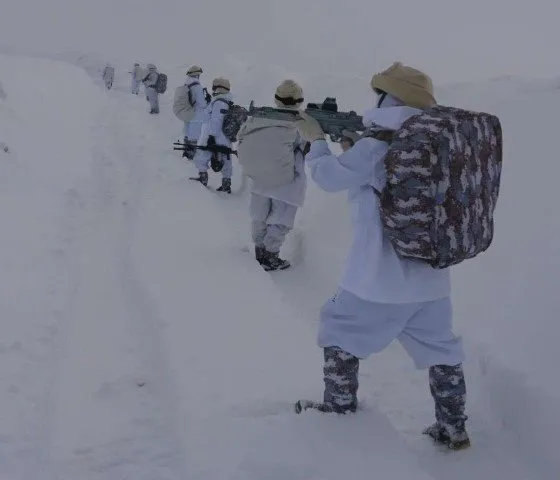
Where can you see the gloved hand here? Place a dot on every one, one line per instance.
(309, 128)
(211, 141)
(348, 139)
(354, 136)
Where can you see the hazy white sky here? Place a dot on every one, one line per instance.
(452, 40)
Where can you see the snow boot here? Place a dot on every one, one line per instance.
(202, 178)
(302, 405)
(439, 435)
(271, 261)
(259, 253)
(340, 373)
(226, 185)
(448, 389)
(154, 111)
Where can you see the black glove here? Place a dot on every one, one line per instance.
(211, 141)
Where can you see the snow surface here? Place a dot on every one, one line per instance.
(139, 339)
(131, 349)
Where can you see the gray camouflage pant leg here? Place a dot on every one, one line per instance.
(202, 160)
(341, 380)
(227, 169)
(259, 209)
(272, 220)
(449, 391)
(153, 98)
(275, 236)
(271, 237)
(135, 87)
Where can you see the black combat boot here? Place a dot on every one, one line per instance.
(271, 261)
(226, 185)
(259, 253)
(203, 178)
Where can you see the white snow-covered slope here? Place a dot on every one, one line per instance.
(138, 341)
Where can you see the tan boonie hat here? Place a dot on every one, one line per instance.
(194, 70)
(413, 87)
(221, 83)
(288, 94)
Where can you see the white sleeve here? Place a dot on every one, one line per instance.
(353, 168)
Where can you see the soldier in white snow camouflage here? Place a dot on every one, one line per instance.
(385, 296)
(273, 206)
(150, 81)
(135, 79)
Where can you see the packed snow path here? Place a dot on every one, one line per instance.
(140, 342)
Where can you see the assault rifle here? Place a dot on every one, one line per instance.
(214, 148)
(331, 120)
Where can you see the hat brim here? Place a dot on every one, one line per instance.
(409, 94)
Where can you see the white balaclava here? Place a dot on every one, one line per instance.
(385, 100)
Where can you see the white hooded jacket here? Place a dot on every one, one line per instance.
(374, 271)
(213, 127)
(197, 93)
(138, 73)
(151, 79)
(292, 193)
(192, 129)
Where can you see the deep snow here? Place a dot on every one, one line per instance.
(140, 341)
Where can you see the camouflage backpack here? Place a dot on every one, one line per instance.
(234, 117)
(161, 83)
(443, 178)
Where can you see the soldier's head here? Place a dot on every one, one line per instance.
(151, 67)
(220, 86)
(194, 71)
(400, 84)
(289, 95)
